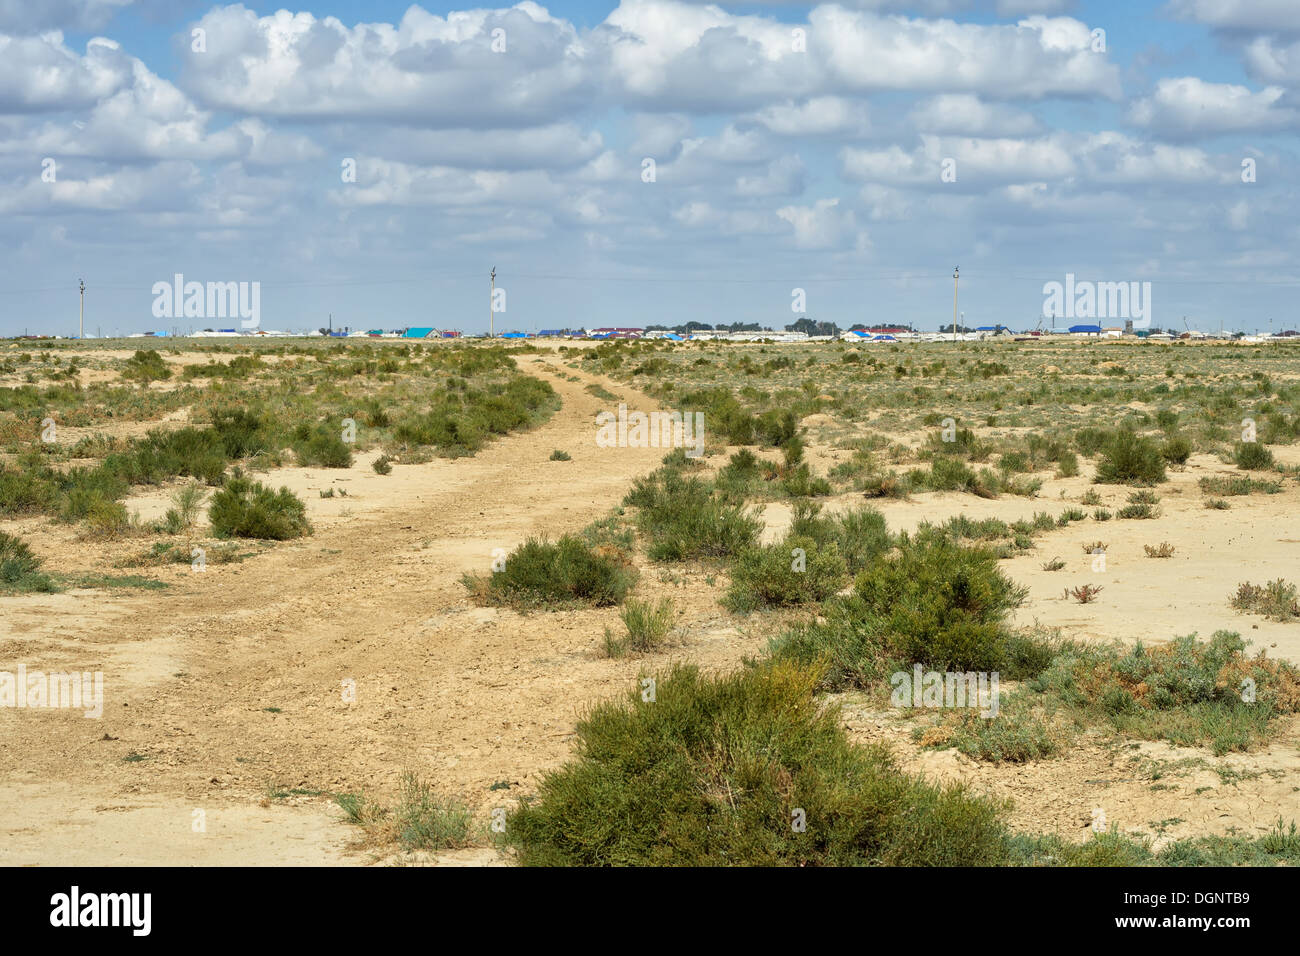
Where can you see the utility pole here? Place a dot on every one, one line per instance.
(81, 321)
(954, 303)
(492, 294)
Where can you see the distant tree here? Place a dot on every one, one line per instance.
(811, 327)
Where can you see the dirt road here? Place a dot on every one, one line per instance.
(231, 685)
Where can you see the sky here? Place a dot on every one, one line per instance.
(367, 164)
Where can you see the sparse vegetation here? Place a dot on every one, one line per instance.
(1276, 600)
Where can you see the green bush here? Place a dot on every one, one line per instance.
(20, 569)
(740, 477)
(145, 366)
(1252, 456)
(1130, 459)
(647, 626)
(717, 771)
(322, 446)
(247, 509)
(539, 573)
(847, 642)
(1188, 692)
(792, 572)
(941, 604)
(1176, 450)
(683, 519)
(1276, 600)
(461, 421)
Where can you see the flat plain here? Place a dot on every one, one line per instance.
(305, 572)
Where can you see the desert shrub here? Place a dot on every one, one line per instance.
(943, 604)
(1176, 450)
(184, 512)
(30, 489)
(145, 366)
(724, 413)
(1275, 600)
(862, 536)
(789, 573)
(425, 821)
(565, 573)
(652, 784)
(1068, 465)
(1252, 456)
(963, 442)
(934, 602)
(847, 642)
(740, 477)
(421, 820)
(777, 427)
(383, 465)
(800, 482)
(949, 474)
(886, 485)
(559, 455)
(242, 433)
(322, 446)
(460, 422)
(1229, 486)
(1091, 440)
(20, 568)
(1131, 460)
(1187, 691)
(683, 519)
(248, 509)
(1010, 737)
(237, 369)
(162, 455)
(611, 535)
(646, 626)
(1014, 462)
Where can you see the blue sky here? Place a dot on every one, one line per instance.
(855, 151)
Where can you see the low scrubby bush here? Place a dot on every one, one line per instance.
(1130, 459)
(564, 573)
(682, 518)
(714, 770)
(248, 509)
(789, 573)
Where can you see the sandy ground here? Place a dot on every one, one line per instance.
(231, 683)
(229, 686)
